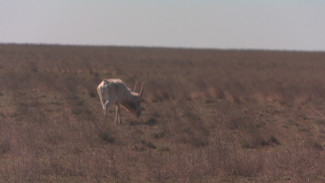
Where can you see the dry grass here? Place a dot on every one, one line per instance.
(211, 115)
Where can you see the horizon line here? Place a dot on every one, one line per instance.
(160, 47)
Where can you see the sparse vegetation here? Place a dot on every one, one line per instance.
(211, 115)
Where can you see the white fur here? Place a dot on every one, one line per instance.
(115, 91)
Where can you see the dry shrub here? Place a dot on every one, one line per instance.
(4, 146)
(197, 94)
(157, 92)
(298, 165)
(254, 131)
(255, 138)
(191, 129)
(106, 136)
(216, 93)
(159, 167)
(246, 164)
(228, 160)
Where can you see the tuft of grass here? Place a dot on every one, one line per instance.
(5, 146)
(106, 137)
(148, 144)
(151, 121)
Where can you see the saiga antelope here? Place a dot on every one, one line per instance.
(114, 91)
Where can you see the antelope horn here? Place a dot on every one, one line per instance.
(135, 86)
(141, 91)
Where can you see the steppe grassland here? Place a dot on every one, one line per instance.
(211, 115)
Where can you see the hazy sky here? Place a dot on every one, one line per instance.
(247, 24)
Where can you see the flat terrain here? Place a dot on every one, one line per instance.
(211, 115)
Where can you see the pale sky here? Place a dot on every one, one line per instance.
(221, 24)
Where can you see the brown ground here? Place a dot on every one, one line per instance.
(211, 115)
